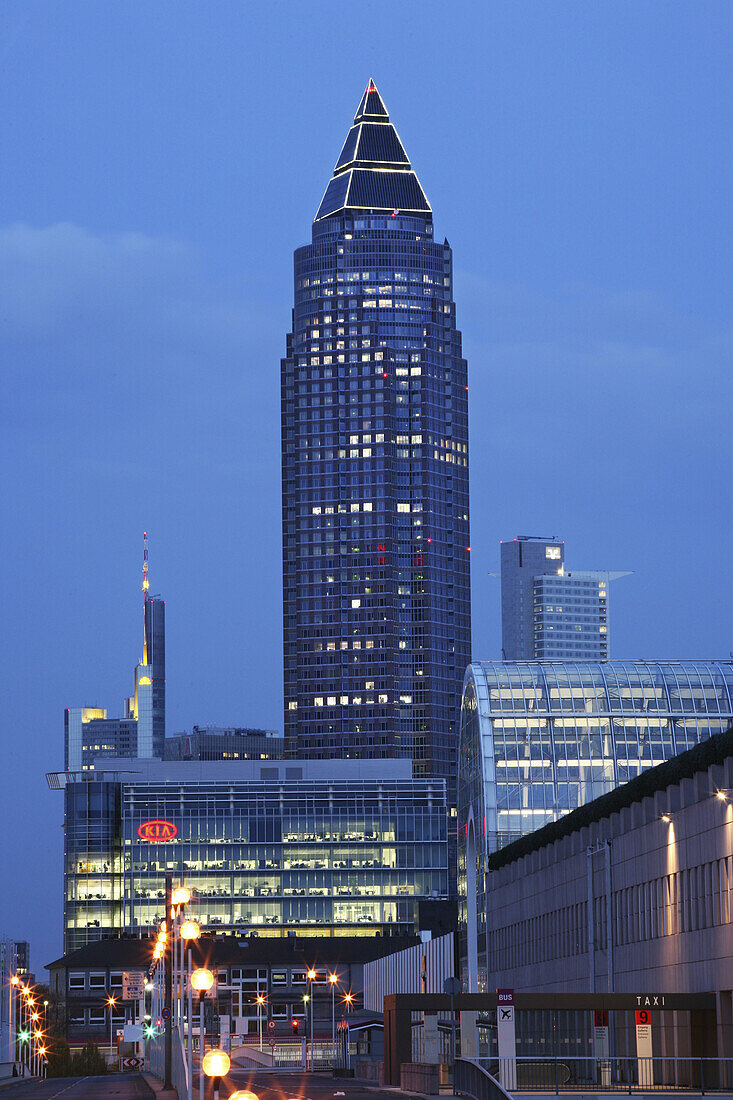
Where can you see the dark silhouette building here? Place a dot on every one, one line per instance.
(375, 470)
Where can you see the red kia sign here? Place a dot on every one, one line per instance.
(157, 830)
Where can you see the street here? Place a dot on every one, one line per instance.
(125, 1086)
(296, 1085)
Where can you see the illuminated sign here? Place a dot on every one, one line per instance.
(157, 830)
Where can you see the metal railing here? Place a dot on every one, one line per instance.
(472, 1079)
(629, 1075)
(179, 1067)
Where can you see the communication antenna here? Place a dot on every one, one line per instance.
(146, 581)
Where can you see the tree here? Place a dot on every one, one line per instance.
(59, 1057)
(88, 1062)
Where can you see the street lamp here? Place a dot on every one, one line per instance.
(202, 981)
(333, 982)
(181, 895)
(306, 998)
(190, 931)
(111, 1001)
(243, 1094)
(216, 1064)
(260, 1003)
(311, 978)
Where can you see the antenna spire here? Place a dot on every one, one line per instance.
(146, 581)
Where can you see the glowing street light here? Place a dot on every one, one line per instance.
(111, 1002)
(216, 1064)
(181, 895)
(190, 931)
(201, 980)
(333, 982)
(243, 1094)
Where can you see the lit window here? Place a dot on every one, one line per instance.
(403, 507)
(318, 701)
(292, 706)
(356, 603)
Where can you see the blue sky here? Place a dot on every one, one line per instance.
(162, 161)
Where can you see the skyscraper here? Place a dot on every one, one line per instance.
(375, 470)
(90, 733)
(548, 612)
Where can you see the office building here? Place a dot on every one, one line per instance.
(375, 470)
(321, 847)
(225, 743)
(14, 961)
(539, 740)
(90, 733)
(632, 892)
(547, 611)
(245, 968)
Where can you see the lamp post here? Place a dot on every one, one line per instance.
(181, 897)
(111, 1002)
(311, 979)
(12, 987)
(348, 1000)
(333, 982)
(202, 981)
(216, 1065)
(190, 931)
(306, 999)
(260, 1003)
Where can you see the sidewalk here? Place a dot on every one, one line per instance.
(156, 1087)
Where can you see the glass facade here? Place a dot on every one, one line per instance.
(93, 862)
(539, 739)
(323, 856)
(375, 471)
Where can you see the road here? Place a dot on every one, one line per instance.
(122, 1086)
(296, 1085)
(293, 1085)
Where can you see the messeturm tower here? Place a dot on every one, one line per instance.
(375, 470)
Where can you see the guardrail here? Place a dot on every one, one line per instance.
(472, 1079)
(179, 1066)
(699, 1075)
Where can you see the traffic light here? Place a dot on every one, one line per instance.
(295, 1026)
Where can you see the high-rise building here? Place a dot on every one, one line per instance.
(375, 470)
(89, 732)
(547, 611)
(225, 743)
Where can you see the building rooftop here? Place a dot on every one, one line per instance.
(235, 951)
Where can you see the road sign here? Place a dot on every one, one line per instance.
(272, 1043)
(133, 985)
(166, 1014)
(271, 1025)
(132, 1063)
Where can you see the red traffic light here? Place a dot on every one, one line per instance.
(295, 1025)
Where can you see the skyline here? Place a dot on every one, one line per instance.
(147, 246)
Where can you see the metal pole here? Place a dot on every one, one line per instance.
(201, 1045)
(110, 1032)
(190, 1029)
(259, 1021)
(312, 1006)
(333, 1023)
(168, 958)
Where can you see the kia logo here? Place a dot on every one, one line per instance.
(157, 830)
